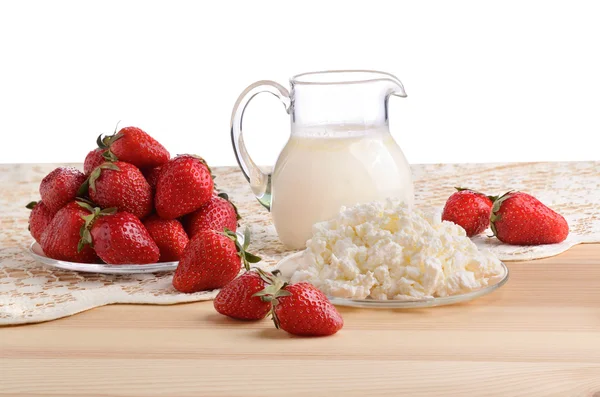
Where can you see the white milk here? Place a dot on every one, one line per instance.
(318, 171)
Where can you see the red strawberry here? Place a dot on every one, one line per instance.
(521, 219)
(151, 175)
(134, 146)
(39, 219)
(118, 237)
(169, 236)
(301, 309)
(60, 240)
(96, 158)
(120, 185)
(211, 260)
(237, 299)
(217, 214)
(469, 209)
(60, 187)
(184, 185)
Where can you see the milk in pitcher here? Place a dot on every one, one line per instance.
(326, 167)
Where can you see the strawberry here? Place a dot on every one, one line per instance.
(134, 146)
(39, 219)
(118, 237)
(211, 260)
(151, 175)
(521, 219)
(120, 185)
(96, 158)
(237, 299)
(217, 214)
(60, 240)
(184, 185)
(60, 187)
(169, 236)
(301, 309)
(469, 209)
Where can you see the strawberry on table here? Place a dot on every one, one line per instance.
(211, 260)
(469, 209)
(169, 236)
(520, 219)
(237, 300)
(60, 187)
(60, 239)
(118, 237)
(185, 184)
(134, 146)
(120, 185)
(217, 214)
(302, 309)
(39, 219)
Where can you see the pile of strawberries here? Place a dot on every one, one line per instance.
(515, 217)
(134, 204)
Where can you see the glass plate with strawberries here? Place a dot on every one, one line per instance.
(38, 254)
(36, 251)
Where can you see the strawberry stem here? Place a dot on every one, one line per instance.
(247, 257)
(494, 215)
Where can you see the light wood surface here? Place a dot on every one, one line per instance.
(539, 335)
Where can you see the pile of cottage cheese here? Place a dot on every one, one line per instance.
(384, 250)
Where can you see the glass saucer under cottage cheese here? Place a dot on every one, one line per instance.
(384, 250)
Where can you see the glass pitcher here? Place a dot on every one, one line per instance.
(340, 151)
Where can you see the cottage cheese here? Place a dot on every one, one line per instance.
(384, 250)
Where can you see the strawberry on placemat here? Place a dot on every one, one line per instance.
(120, 185)
(39, 219)
(169, 236)
(185, 184)
(134, 146)
(60, 187)
(211, 260)
(117, 237)
(217, 214)
(520, 219)
(60, 239)
(151, 175)
(96, 158)
(469, 209)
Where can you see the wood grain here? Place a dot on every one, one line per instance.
(539, 335)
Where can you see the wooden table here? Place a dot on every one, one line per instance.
(539, 335)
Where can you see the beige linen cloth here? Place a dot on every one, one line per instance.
(31, 292)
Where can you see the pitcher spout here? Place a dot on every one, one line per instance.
(396, 87)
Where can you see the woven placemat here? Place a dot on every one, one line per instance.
(30, 292)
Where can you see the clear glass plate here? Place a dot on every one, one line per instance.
(38, 254)
(288, 264)
(36, 251)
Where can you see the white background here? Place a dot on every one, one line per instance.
(486, 81)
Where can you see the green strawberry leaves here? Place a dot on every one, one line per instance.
(90, 183)
(104, 142)
(274, 290)
(495, 216)
(95, 213)
(247, 257)
(31, 205)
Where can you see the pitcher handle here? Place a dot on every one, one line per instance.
(260, 182)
